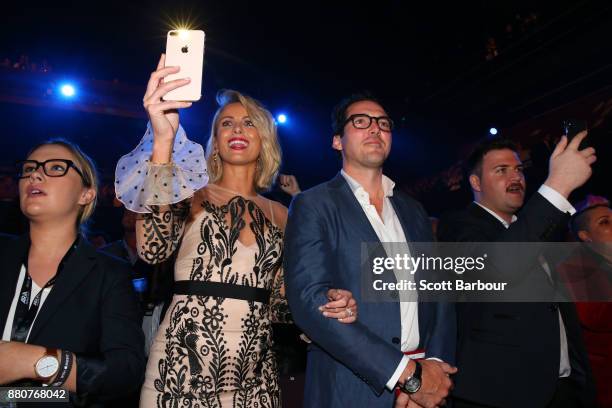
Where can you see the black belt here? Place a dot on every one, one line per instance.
(220, 289)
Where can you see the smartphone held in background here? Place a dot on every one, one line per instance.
(185, 49)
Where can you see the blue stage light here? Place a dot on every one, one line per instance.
(493, 131)
(282, 118)
(68, 90)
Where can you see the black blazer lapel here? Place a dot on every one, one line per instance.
(12, 260)
(491, 224)
(76, 269)
(493, 227)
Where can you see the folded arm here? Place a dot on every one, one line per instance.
(309, 274)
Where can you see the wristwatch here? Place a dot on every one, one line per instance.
(412, 384)
(48, 365)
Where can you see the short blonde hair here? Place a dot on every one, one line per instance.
(270, 155)
(87, 167)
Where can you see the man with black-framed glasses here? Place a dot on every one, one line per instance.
(363, 363)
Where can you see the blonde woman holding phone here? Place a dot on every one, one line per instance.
(213, 348)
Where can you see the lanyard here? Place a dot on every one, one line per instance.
(26, 313)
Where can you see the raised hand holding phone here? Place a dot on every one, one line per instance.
(163, 115)
(569, 167)
(572, 127)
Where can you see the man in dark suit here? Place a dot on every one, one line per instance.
(152, 283)
(360, 364)
(519, 354)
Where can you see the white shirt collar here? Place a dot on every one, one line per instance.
(387, 184)
(514, 217)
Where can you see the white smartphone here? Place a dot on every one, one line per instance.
(185, 48)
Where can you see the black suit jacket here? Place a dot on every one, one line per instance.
(508, 353)
(92, 311)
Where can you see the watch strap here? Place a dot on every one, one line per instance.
(64, 369)
(416, 375)
(417, 371)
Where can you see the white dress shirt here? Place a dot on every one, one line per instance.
(563, 205)
(389, 229)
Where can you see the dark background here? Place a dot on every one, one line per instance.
(427, 60)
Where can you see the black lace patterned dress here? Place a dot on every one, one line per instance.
(216, 351)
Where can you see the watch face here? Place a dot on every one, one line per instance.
(47, 366)
(412, 385)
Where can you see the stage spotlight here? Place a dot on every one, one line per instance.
(68, 90)
(493, 131)
(281, 119)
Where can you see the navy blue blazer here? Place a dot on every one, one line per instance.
(350, 364)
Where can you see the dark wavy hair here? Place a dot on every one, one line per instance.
(473, 164)
(338, 115)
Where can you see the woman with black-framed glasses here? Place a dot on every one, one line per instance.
(51, 168)
(68, 314)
